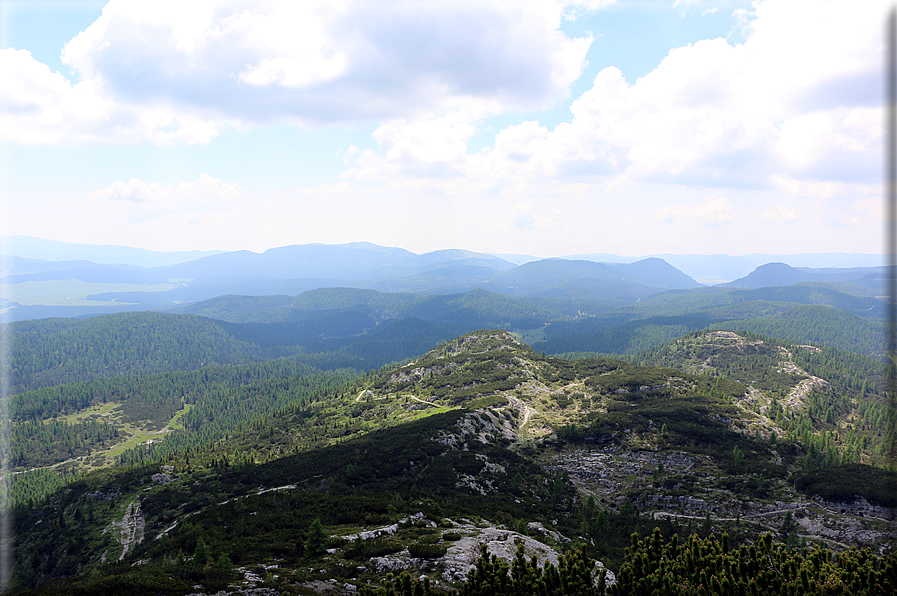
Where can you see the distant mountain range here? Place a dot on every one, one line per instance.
(780, 274)
(718, 269)
(105, 279)
(55, 250)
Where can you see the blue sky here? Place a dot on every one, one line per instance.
(543, 128)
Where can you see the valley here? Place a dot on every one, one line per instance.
(319, 442)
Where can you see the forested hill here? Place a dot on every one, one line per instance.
(810, 312)
(804, 313)
(481, 440)
(365, 329)
(54, 351)
(475, 307)
(330, 329)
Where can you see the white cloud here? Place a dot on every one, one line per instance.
(799, 100)
(734, 127)
(590, 4)
(521, 142)
(170, 70)
(825, 189)
(779, 213)
(801, 96)
(714, 211)
(139, 200)
(573, 7)
(38, 106)
(792, 114)
(428, 143)
(870, 208)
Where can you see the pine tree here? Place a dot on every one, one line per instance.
(201, 554)
(316, 542)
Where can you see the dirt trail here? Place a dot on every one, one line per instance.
(527, 411)
(429, 403)
(797, 395)
(362, 394)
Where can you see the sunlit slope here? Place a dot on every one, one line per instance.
(831, 401)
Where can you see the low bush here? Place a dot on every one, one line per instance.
(365, 549)
(427, 551)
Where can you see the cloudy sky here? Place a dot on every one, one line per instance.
(541, 127)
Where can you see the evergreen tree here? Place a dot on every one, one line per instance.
(201, 554)
(316, 542)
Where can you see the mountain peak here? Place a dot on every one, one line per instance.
(771, 274)
(478, 342)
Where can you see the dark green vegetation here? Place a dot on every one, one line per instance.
(57, 351)
(260, 459)
(832, 402)
(710, 567)
(804, 313)
(319, 310)
(223, 507)
(842, 483)
(209, 405)
(327, 328)
(697, 567)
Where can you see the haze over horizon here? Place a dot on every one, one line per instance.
(59, 250)
(550, 128)
(704, 269)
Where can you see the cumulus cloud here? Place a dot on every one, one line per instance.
(429, 143)
(174, 71)
(794, 111)
(797, 104)
(171, 70)
(38, 106)
(779, 213)
(801, 96)
(139, 200)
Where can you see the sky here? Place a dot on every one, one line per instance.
(545, 128)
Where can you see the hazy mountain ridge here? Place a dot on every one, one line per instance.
(710, 269)
(717, 269)
(37, 288)
(292, 270)
(781, 274)
(55, 250)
